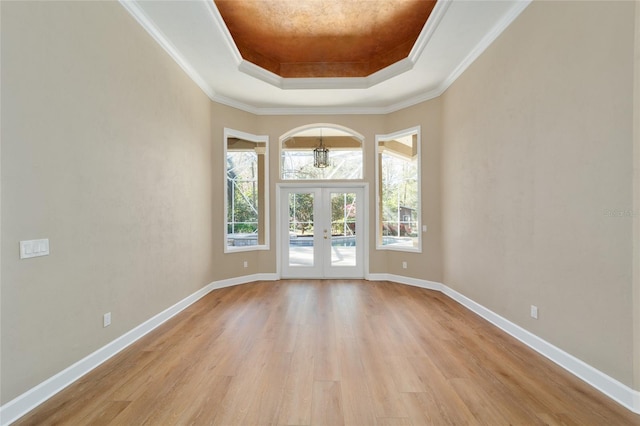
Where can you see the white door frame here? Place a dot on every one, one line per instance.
(281, 187)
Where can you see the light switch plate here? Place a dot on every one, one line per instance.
(34, 248)
(106, 319)
(534, 312)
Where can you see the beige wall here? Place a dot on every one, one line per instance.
(636, 202)
(124, 162)
(427, 115)
(264, 261)
(1, 209)
(228, 265)
(109, 150)
(428, 264)
(537, 150)
(106, 151)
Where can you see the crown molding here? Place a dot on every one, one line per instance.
(260, 73)
(322, 111)
(429, 29)
(222, 27)
(327, 83)
(234, 103)
(329, 110)
(482, 45)
(141, 17)
(486, 41)
(378, 77)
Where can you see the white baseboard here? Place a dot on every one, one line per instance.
(609, 386)
(619, 392)
(21, 405)
(243, 280)
(430, 285)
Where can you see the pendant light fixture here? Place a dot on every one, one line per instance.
(321, 155)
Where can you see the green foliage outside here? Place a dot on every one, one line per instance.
(301, 213)
(400, 198)
(242, 192)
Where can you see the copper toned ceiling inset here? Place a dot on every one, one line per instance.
(324, 38)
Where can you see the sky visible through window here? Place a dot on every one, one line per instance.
(343, 165)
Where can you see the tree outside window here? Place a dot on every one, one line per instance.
(398, 186)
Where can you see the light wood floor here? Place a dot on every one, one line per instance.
(329, 353)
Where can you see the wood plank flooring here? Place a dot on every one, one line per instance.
(311, 352)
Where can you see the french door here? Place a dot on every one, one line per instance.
(322, 232)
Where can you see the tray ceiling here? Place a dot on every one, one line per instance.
(324, 38)
(194, 33)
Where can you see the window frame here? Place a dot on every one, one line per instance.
(232, 133)
(308, 127)
(378, 177)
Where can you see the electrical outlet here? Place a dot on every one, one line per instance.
(246, 264)
(404, 265)
(106, 319)
(534, 312)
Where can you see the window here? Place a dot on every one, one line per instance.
(398, 190)
(345, 153)
(246, 191)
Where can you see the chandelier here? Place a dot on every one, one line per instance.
(321, 155)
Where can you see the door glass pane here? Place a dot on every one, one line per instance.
(301, 250)
(343, 229)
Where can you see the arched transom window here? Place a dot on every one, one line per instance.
(321, 151)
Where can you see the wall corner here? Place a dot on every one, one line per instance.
(636, 202)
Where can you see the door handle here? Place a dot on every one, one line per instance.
(325, 234)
